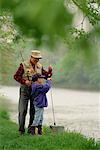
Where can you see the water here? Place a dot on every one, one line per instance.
(75, 110)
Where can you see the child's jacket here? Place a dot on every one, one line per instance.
(39, 93)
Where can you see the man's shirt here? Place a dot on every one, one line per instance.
(18, 76)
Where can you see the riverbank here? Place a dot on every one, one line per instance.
(11, 140)
(76, 110)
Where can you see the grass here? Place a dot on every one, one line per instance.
(11, 140)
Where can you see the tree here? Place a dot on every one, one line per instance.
(49, 20)
(7, 35)
(50, 23)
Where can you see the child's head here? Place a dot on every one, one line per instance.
(38, 78)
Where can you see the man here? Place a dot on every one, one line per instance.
(24, 77)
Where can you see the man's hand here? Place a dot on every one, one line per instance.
(28, 83)
(50, 68)
(49, 78)
(49, 71)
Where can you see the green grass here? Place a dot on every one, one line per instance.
(11, 140)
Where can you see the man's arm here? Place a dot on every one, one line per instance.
(18, 76)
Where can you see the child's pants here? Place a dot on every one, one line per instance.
(38, 118)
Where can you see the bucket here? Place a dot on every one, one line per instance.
(57, 129)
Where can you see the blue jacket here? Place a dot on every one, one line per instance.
(39, 93)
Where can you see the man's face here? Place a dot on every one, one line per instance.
(34, 60)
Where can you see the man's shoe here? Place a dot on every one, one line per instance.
(31, 130)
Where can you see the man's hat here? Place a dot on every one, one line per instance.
(36, 76)
(36, 54)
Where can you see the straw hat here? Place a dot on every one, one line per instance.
(36, 54)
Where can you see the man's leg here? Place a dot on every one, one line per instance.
(23, 105)
(32, 113)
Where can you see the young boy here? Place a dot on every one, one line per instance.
(39, 90)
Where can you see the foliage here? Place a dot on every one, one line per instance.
(47, 25)
(76, 71)
(90, 8)
(7, 35)
(48, 20)
(42, 19)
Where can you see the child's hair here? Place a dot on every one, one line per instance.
(36, 76)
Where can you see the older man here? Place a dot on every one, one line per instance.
(24, 76)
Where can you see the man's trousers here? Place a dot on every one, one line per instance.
(25, 97)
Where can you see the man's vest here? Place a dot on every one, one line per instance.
(29, 70)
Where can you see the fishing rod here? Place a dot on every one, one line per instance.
(21, 55)
(53, 112)
(52, 104)
(23, 61)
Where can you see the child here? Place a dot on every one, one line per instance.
(39, 91)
